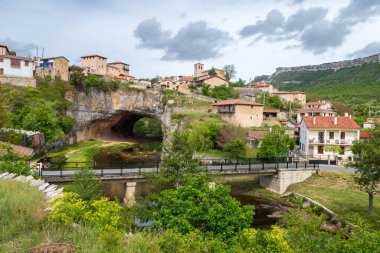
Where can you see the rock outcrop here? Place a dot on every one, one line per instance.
(332, 65)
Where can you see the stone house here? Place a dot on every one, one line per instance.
(16, 70)
(317, 133)
(177, 83)
(202, 76)
(56, 67)
(315, 111)
(240, 112)
(118, 69)
(264, 87)
(291, 96)
(94, 64)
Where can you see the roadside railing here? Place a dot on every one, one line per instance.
(123, 168)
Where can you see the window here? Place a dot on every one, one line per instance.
(1, 59)
(331, 135)
(1, 72)
(26, 63)
(320, 149)
(342, 135)
(15, 63)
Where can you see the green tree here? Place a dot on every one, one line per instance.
(223, 92)
(367, 164)
(196, 206)
(276, 144)
(177, 159)
(236, 149)
(212, 72)
(206, 89)
(86, 185)
(238, 83)
(229, 72)
(229, 133)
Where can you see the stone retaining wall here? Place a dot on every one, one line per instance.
(18, 81)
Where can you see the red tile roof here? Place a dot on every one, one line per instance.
(16, 57)
(236, 102)
(168, 79)
(118, 62)
(315, 109)
(318, 103)
(255, 134)
(53, 58)
(328, 122)
(186, 78)
(288, 92)
(94, 55)
(364, 135)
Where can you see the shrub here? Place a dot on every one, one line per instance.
(67, 209)
(103, 214)
(236, 149)
(86, 185)
(229, 133)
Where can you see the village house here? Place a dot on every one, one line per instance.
(119, 70)
(240, 112)
(264, 87)
(319, 104)
(94, 64)
(176, 83)
(202, 76)
(370, 123)
(16, 70)
(318, 133)
(291, 96)
(315, 111)
(254, 136)
(55, 67)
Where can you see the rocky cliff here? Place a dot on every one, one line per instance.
(331, 66)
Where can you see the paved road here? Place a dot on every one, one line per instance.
(334, 167)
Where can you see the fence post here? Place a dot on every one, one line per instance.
(158, 165)
(61, 173)
(121, 168)
(287, 164)
(305, 164)
(101, 171)
(263, 165)
(221, 166)
(296, 164)
(249, 164)
(236, 164)
(314, 164)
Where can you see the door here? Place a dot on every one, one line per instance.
(1, 72)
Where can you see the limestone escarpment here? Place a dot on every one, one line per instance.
(331, 65)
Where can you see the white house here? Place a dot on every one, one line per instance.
(16, 66)
(315, 111)
(370, 123)
(319, 104)
(317, 133)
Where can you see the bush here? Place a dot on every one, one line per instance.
(236, 149)
(68, 209)
(86, 185)
(12, 162)
(229, 133)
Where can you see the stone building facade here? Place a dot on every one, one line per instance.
(56, 67)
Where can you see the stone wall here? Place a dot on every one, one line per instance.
(18, 81)
(331, 65)
(285, 177)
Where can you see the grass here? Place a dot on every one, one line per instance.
(338, 192)
(83, 151)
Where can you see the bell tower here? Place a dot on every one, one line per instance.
(198, 69)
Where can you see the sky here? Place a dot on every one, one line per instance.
(167, 37)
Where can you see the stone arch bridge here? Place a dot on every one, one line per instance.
(102, 114)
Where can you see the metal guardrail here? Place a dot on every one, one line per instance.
(206, 165)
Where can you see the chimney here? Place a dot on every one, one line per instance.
(349, 116)
(346, 114)
(335, 120)
(313, 120)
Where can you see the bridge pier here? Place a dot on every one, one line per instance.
(129, 197)
(284, 178)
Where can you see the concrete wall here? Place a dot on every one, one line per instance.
(18, 81)
(279, 183)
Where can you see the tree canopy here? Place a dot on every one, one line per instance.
(229, 71)
(275, 145)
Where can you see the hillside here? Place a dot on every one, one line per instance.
(351, 86)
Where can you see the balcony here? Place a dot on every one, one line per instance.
(332, 142)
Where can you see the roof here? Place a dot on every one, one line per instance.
(94, 55)
(16, 57)
(283, 120)
(364, 135)
(110, 66)
(209, 77)
(52, 58)
(315, 109)
(186, 78)
(261, 85)
(4, 46)
(256, 134)
(328, 122)
(318, 103)
(118, 62)
(236, 102)
(168, 79)
(271, 110)
(288, 92)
